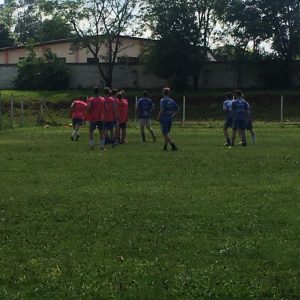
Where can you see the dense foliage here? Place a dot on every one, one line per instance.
(41, 73)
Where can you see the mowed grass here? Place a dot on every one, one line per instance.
(206, 222)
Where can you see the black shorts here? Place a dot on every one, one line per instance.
(123, 125)
(239, 124)
(77, 121)
(228, 123)
(97, 124)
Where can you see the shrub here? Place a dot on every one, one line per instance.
(41, 73)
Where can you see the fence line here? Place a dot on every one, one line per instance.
(11, 123)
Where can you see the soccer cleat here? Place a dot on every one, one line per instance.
(174, 148)
(72, 138)
(102, 148)
(77, 138)
(226, 144)
(165, 148)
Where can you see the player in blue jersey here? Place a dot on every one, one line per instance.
(145, 108)
(240, 113)
(168, 109)
(228, 112)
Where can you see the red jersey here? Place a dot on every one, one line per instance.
(110, 109)
(123, 110)
(78, 109)
(96, 111)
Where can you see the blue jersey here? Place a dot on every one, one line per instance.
(168, 107)
(240, 109)
(227, 107)
(145, 108)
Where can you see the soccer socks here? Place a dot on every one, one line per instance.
(253, 137)
(143, 137)
(174, 148)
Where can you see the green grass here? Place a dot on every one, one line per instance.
(206, 222)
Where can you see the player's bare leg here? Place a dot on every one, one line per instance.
(233, 137)
(243, 137)
(226, 135)
(91, 140)
(142, 128)
(168, 140)
(152, 133)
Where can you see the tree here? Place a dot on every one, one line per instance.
(183, 30)
(98, 26)
(54, 29)
(282, 20)
(27, 21)
(5, 39)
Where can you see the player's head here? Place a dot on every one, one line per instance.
(96, 91)
(166, 92)
(120, 96)
(145, 94)
(123, 93)
(106, 91)
(239, 93)
(114, 92)
(229, 96)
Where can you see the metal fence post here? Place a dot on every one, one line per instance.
(11, 113)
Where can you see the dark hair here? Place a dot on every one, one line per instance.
(122, 92)
(145, 93)
(166, 91)
(229, 96)
(239, 93)
(119, 95)
(96, 90)
(114, 92)
(106, 91)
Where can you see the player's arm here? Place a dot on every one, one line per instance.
(160, 111)
(89, 106)
(71, 109)
(115, 106)
(175, 111)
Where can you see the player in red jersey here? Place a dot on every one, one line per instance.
(110, 114)
(78, 110)
(123, 116)
(95, 111)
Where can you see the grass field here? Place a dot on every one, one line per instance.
(206, 222)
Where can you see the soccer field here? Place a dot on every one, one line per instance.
(206, 222)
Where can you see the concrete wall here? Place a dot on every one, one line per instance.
(214, 75)
(7, 75)
(126, 76)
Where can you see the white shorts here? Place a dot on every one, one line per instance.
(145, 122)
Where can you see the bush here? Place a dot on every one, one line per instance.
(41, 73)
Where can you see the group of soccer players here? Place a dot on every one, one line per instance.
(109, 115)
(238, 117)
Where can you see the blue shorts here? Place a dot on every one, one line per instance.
(123, 125)
(239, 124)
(249, 125)
(109, 125)
(228, 123)
(97, 124)
(165, 126)
(77, 121)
